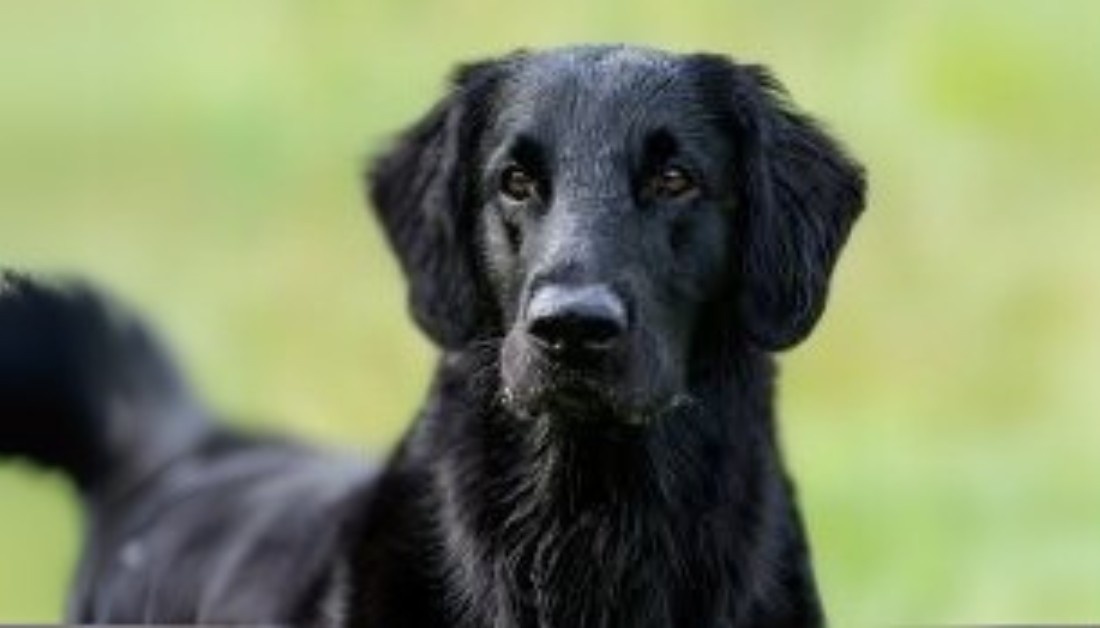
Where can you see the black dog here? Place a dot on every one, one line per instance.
(607, 244)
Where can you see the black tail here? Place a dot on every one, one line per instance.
(84, 387)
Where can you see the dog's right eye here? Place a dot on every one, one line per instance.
(672, 182)
(517, 185)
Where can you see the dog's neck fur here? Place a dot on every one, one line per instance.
(560, 522)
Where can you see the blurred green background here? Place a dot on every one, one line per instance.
(201, 158)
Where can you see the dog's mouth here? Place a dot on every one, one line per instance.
(541, 390)
(535, 387)
(627, 386)
(566, 396)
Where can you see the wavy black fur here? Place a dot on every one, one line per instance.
(640, 487)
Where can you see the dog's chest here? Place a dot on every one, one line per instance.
(607, 572)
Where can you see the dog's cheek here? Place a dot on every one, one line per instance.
(509, 365)
(501, 262)
(705, 262)
(653, 373)
(518, 375)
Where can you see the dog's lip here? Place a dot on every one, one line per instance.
(571, 398)
(578, 367)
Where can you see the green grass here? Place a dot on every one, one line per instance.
(201, 159)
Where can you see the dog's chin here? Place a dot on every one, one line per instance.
(578, 399)
(565, 401)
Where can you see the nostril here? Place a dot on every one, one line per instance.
(570, 319)
(571, 330)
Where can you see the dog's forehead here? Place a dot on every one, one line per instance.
(597, 63)
(601, 87)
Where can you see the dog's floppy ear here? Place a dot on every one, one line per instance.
(801, 194)
(420, 193)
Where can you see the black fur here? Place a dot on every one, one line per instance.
(83, 386)
(187, 521)
(635, 481)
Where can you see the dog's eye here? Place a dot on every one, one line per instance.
(517, 184)
(672, 182)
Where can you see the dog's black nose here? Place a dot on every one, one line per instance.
(568, 319)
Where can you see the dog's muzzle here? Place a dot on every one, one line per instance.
(575, 325)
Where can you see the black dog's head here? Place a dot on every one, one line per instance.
(593, 206)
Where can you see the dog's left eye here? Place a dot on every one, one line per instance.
(517, 184)
(671, 182)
